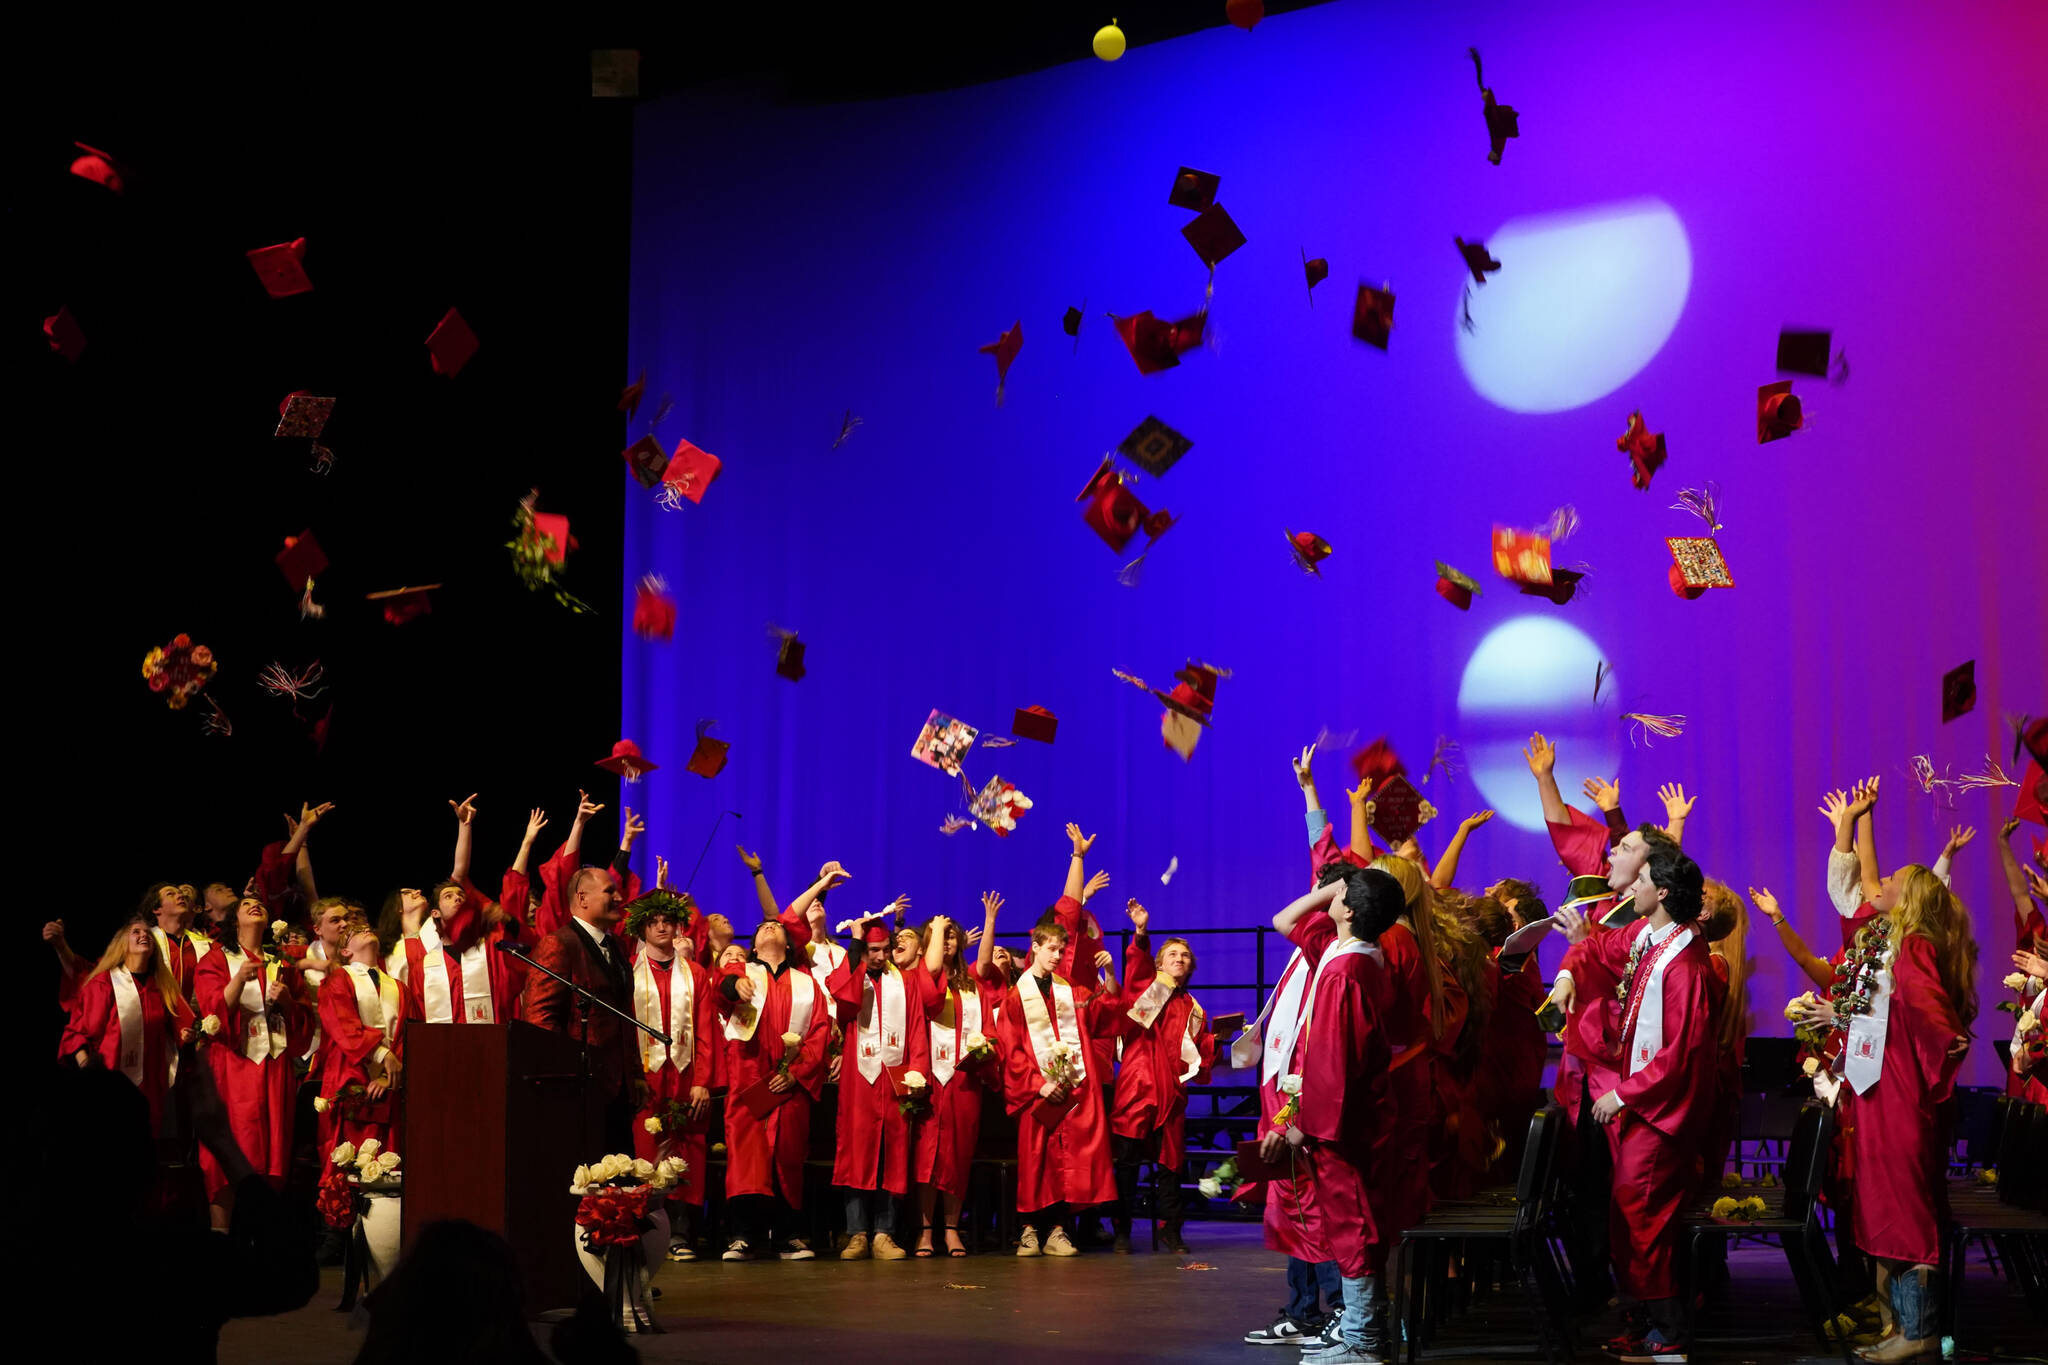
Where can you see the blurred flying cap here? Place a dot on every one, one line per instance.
(451, 344)
(1696, 565)
(1213, 235)
(1454, 587)
(1804, 352)
(1070, 323)
(1179, 733)
(1644, 448)
(1308, 549)
(1563, 585)
(1004, 348)
(1372, 318)
(66, 337)
(1958, 691)
(1777, 412)
(1476, 260)
(708, 758)
(1377, 762)
(647, 460)
(789, 656)
(1245, 14)
(1193, 189)
(627, 761)
(281, 269)
(301, 559)
(1521, 556)
(100, 168)
(1316, 270)
(1112, 510)
(1034, 722)
(1502, 122)
(301, 414)
(1155, 345)
(1154, 446)
(405, 604)
(1194, 695)
(629, 397)
(690, 471)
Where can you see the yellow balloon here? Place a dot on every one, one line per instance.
(1109, 42)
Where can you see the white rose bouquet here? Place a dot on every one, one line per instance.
(792, 1044)
(916, 1100)
(1063, 1065)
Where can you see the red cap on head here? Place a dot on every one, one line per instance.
(875, 932)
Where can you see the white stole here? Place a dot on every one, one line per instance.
(378, 1005)
(201, 946)
(825, 959)
(803, 998)
(262, 1036)
(475, 967)
(883, 1022)
(1863, 1049)
(1350, 947)
(1283, 1016)
(1648, 1039)
(1146, 1012)
(1046, 1027)
(960, 1017)
(128, 1006)
(680, 1022)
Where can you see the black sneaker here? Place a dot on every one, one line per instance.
(1656, 1351)
(1282, 1331)
(1326, 1338)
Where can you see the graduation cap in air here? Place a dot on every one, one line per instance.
(405, 604)
(99, 167)
(301, 414)
(1154, 446)
(1958, 691)
(451, 344)
(1193, 189)
(689, 473)
(1070, 323)
(708, 758)
(65, 336)
(1521, 556)
(1562, 587)
(1372, 317)
(1804, 352)
(1115, 513)
(629, 397)
(1156, 345)
(789, 656)
(1188, 707)
(1502, 122)
(1308, 549)
(281, 269)
(1213, 235)
(627, 761)
(1777, 412)
(301, 559)
(1034, 723)
(647, 460)
(1004, 348)
(1316, 271)
(1476, 259)
(1644, 448)
(1696, 565)
(1455, 587)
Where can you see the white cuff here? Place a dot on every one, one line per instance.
(382, 1056)
(1845, 882)
(1563, 975)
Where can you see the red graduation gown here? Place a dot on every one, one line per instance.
(943, 1144)
(1077, 963)
(1901, 1137)
(872, 1149)
(1589, 1045)
(95, 1027)
(1285, 1224)
(1150, 1094)
(1062, 1150)
(1509, 1079)
(668, 1083)
(258, 1096)
(345, 1059)
(766, 1156)
(1343, 1057)
(1412, 1081)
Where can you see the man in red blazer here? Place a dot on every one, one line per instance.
(587, 952)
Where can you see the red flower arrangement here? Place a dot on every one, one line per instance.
(180, 668)
(613, 1216)
(336, 1202)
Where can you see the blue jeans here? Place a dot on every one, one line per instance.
(858, 1203)
(1304, 1279)
(1364, 1310)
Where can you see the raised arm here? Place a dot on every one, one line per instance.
(1542, 756)
(765, 894)
(302, 866)
(1959, 837)
(1076, 873)
(1321, 898)
(536, 821)
(985, 952)
(1447, 866)
(1844, 890)
(585, 808)
(309, 816)
(1305, 778)
(1360, 798)
(1677, 805)
(1606, 796)
(1817, 970)
(622, 861)
(1861, 806)
(2015, 881)
(829, 876)
(465, 816)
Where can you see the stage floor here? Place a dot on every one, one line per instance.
(1094, 1308)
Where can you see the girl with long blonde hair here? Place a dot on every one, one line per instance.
(1415, 1027)
(130, 1016)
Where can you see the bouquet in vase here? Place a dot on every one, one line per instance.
(615, 1194)
(916, 1100)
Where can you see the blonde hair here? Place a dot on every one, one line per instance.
(116, 955)
(1929, 909)
(1733, 949)
(1421, 913)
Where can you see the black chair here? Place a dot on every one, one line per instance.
(1515, 1228)
(1792, 1215)
(2010, 1217)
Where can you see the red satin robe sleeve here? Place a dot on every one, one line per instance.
(1022, 1079)
(87, 1026)
(1344, 1060)
(1581, 843)
(1313, 933)
(341, 1022)
(1325, 851)
(273, 876)
(1457, 1009)
(1677, 1087)
(514, 890)
(554, 902)
(1077, 959)
(843, 985)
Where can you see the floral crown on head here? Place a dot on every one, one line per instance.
(642, 911)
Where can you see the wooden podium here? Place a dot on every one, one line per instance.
(508, 1123)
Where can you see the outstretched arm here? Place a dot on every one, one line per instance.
(572, 847)
(1447, 866)
(1816, 969)
(1305, 778)
(985, 954)
(1321, 898)
(1861, 807)
(1542, 756)
(1959, 837)
(536, 821)
(1677, 805)
(765, 894)
(1076, 875)
(1361, 819)
(2015, 880)
(465, 815)
(829, 876)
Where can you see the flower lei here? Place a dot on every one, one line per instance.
(1856, 978)
(1635, 960)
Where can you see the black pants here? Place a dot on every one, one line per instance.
(761, 1219)
(1046, 1219)
(1589, 1189)
(1129, 1154)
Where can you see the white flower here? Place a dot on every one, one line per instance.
(345, 1155)
(210, 1025)
(387, 1162)
(319, 1103)
(368, 1151)
(675, 1166)
(975, 1042)
(2027, 1021)
(1291, 1084)
(653, 1125)
(2016, 982)
(1210, 1186)
(277, 928)
(1810, 1065)
(791, 1040)
(914, 1080)
(578, 1181)
(643, 1170)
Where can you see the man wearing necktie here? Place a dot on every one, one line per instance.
(587, 952)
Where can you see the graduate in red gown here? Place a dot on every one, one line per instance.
(1343, 1125)
(1085, 955)
(1167, 1046)
(765, 1002)
(362, 1017)
(130, 1017)
(181, 945)
(452, 968)
(252, 992)
(1659, 1110)
(1428, 1008)
(673, 993)
(881, 1011)
(1508, 1085)
(960, 1019)
(1047, 1029)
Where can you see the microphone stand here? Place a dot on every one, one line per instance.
(584, 1002)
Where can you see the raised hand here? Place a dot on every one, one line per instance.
(585, 807)
(990, 903)
(1572, 924)
(1140, 916)
(1541, 753)
(897, 907)
(1834, 807)
(1095, 884)
(1766, 902)
(1081, 844)
(1302, 774)
(1864, 798)
(1602, 793)
(2033, 964)
(752, 860)
(1102, 961)
(53, 932)
(971, 937)
(1959, 837)
(465, 809)
(310, 815)
(832, 874)
(2005, 830)
(1474, 821)
(660, 873)
(536, 821)
(635, 826)
(1677, 805)
(1359, 795)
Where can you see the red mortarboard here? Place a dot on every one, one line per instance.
(1777, 412)
(1696, 566)
(2032, 803)
(1308, 549)
(1396, 809)
(1193, 189)
(405, 604)
(1563, 585)
(281, 268)
(555, 526)
(1377, 762)
(1958, 691)
(1115, 513)
(100, 168)
(654, 611)
(874, 931)
(708, 758)
(1316, 270)
(1154, 446)
(1034, 722)
(1521, 556)
(1004, 348)
(66, 337)
(1804, 352)
(1476, 259)
(1194, 696)
(2035, 740)
(789, 658)
(629, 397)
(1645, 450)
(1454, 587)
(301, 559)
(1245, 13)
(451, 344)
(647, 460)
(627, 761)
(1213, 235)
(1372, 318)
(301, 414)
(691, 471)
(1155, 345)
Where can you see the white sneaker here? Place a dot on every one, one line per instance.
(680, 1250)
(796, 1249)
(1343, 1353)
(1027, 1245)
(737, 1250)
(1282, 1331)
(1056, 1244)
